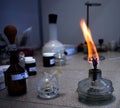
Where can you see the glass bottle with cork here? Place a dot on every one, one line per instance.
(15, 75)
(53, 48)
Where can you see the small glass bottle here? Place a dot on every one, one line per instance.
(30, 65)
(2, 81)
(22, 59)
(60, 59)
(48, 59)
(15, 76)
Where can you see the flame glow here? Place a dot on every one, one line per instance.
(92, 51)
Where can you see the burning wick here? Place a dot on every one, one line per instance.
(94, 61)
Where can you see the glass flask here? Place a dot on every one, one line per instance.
(48, 86)
(95, 91)
(53, 45)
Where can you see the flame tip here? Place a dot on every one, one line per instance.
(92, 51)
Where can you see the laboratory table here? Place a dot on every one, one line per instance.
(75, 70)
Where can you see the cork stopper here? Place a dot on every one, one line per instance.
(52, 18)
(10, 32)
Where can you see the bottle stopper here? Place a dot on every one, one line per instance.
(52, 18)
(10, 32)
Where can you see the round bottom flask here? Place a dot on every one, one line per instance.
(53, 45)
(95, 91)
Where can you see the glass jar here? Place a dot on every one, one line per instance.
(48, 59)
(30, 65)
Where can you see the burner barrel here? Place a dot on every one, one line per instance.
(95, 74)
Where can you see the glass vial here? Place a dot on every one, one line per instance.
(22, 59)
(30, 65)
(60, 59)
(2, 81)
(48, 59)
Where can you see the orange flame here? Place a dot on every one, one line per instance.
(92, 51)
